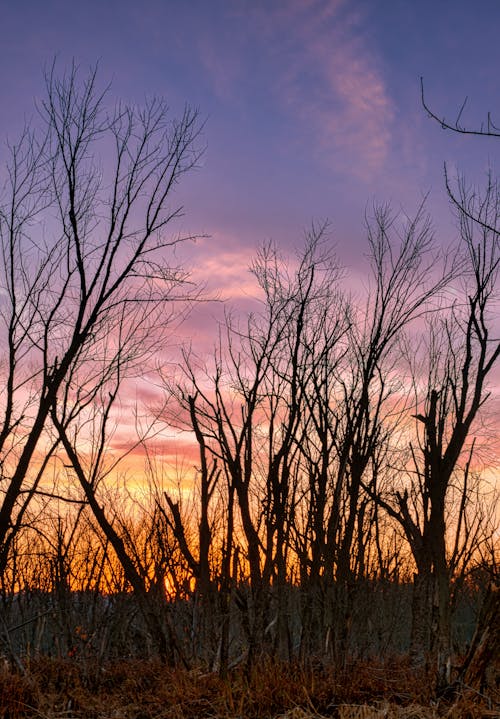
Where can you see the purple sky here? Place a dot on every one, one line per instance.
(312, 107)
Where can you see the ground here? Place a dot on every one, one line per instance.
(138, 689)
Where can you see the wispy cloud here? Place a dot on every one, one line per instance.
(335, 83)
(319, 64)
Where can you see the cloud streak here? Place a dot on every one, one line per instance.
(317, 63)
(348, 107)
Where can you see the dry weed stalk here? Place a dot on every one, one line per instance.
(384, 710)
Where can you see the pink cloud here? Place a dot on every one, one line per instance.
(227, 273)
(347, 103)
(320, 67)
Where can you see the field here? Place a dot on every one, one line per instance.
(135, 689)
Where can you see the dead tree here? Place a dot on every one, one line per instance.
(462, 353)
(348, 400)
(83, 248)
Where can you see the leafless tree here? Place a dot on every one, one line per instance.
(349, 401)
(86, 273)
(483, 214)
(247, 415)
(462, 353)
(294, 415)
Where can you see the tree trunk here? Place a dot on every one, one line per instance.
(441, 634)
(420, 637)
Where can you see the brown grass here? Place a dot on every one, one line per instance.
(67, 689)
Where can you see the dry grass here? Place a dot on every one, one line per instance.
(68, 689)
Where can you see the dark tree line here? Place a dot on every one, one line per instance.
(328, 439)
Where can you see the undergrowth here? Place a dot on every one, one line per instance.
(135, 689)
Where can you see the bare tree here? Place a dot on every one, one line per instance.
(349, 400)
(247, 415)
(85, 273)
(462, 354)
(478, 213)
(294, 415)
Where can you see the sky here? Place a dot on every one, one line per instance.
(311, 108)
